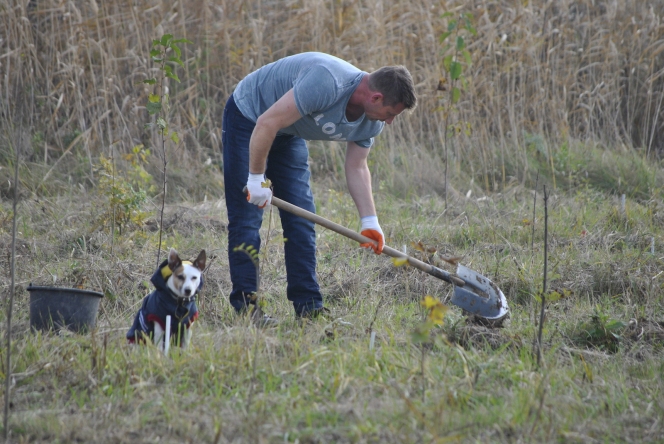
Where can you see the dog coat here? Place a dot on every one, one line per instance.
(160, 303)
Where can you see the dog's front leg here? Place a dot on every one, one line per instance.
(158, 336)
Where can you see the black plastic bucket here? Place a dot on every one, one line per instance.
(56, 308)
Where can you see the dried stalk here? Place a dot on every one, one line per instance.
(10, 305)
(546, 253)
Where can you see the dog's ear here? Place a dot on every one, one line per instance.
(174, 260)
(200, 260)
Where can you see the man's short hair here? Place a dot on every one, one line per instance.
(395, 84)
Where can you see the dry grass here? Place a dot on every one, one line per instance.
(321, 382)
(544, 74)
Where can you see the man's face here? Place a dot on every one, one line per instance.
(375, 110)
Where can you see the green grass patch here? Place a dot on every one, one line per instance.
(321, 382)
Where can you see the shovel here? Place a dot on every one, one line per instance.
(473, 292)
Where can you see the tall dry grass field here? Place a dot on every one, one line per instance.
(544, 75)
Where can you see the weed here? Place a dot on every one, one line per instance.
(124, 199)
(601, 331)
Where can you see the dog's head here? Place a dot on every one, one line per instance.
(186, 277)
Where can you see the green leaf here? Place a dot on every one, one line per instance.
(444, 36)
(155, 53)
(168, 69)
(173, 76)
(150, 81)
(615, 325)
(166, 38)
(446, 14)
(420, 334)
(455, 70)
(161, 123)
(176, 49)
(154, 98)
(157, 59)
(456, 94)
(468, 18)
(182, 41)
(451, 26)
(447, 62)
(466, 56)
(176, 60)
(460, 43)
(155, 43)
(174, 137)
(153, 107)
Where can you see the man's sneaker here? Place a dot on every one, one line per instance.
(315, 313)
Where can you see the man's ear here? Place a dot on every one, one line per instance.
(376, 98)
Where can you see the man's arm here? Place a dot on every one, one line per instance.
(358, 179)
(280, 115)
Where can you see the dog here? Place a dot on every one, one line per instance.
(176, 285)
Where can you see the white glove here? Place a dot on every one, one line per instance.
(256, 194)
(372, 230)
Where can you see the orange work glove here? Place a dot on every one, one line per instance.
(256, 193)
(371, 229)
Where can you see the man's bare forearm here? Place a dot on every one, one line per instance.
(358, 179)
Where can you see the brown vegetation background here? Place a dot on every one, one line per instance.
(545, 74)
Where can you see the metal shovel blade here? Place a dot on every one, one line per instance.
(479, 295)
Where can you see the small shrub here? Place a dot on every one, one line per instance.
(123, 200)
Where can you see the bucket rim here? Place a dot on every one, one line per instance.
(69, 290)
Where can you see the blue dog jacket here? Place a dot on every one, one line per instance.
(161, 303)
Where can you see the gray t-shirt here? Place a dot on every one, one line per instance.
(322, 85)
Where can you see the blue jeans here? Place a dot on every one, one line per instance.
(288, 169)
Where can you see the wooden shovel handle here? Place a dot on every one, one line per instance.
(423, 266)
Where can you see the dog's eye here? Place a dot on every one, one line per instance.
(181, 277)
(193, 278)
